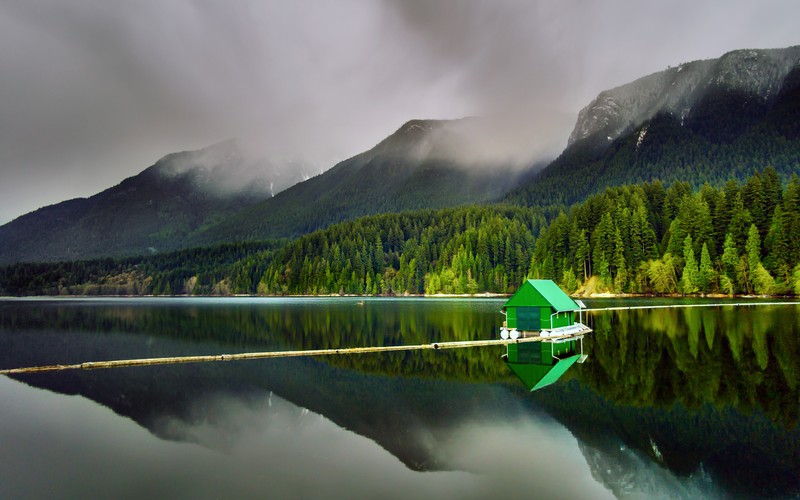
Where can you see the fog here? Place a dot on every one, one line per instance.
(92, 92)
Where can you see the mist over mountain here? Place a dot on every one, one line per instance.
(756, 75)
(153, 211)
(225, 192)
(704, 121)
(424, 164)
(232, 168)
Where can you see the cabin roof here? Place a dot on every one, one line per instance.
(554, 295)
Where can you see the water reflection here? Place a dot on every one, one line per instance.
(685, 401)
(744, 358)
(272, 448)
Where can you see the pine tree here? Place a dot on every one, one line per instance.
(690, 278)
(583, 255)
(568, 280)
(706, 273)
(791, 213)
(740, 222)
(730, 261)
(754, 199)
(762, 281)
(753, 248)
(771, 183)
(775, 244)
(620, 268)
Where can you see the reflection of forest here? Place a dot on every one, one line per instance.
(707, 386)
(311, 324)
(745, 358)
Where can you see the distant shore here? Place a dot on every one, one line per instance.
(485, 295)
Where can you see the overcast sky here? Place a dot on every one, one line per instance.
(93, 91)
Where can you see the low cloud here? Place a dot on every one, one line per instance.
(92, 92)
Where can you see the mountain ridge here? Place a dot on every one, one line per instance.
(152, 211)
(726, 132)
(423, 164)
(758, 72)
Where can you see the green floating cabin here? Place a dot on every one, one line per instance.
(540, 305)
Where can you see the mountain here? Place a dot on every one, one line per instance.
(703, 121)
(218, 195)
(153, 211)
(424, 164)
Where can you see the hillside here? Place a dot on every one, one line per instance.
(700, 122)
(151, 212)
(218, 195)
(424, 164)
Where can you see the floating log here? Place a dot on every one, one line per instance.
(122, 363)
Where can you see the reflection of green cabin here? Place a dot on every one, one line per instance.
(539, 364)
(538, 305)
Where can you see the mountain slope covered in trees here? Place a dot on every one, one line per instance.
(218, 195)
(648, 239)
(737, 115)
(424, 164)
(642, 238)
(460, 250)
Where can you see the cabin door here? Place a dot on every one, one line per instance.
(528, 318)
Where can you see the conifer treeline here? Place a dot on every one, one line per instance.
(645, 238)
(648, 239)
(462, 250)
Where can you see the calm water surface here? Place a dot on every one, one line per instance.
(671, 403)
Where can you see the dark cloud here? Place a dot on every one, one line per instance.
(94, 91)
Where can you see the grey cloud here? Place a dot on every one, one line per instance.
(92, 91)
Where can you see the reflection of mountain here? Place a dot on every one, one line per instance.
(644, 387)
(629, 473)
(408, 417)
(744, 454)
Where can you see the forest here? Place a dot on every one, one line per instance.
(737, 239)
(645, 238)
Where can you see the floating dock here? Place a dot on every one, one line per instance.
(555, 335)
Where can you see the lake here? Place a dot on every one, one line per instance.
(677, 403)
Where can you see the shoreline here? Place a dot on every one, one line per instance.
(485, 295)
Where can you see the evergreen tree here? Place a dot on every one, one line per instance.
(730, 262)
(791, 212)
(775, 243)
(740, 222)
(753, 197)
(706, 273)
(620, 268)
(690, 278)
(753, 248)
(761, 281)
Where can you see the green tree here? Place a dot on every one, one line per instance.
(762, 281)
(706, 273)
(690, 277)
(730, 262)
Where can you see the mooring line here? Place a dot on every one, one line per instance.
(681, 306)
(121, 363)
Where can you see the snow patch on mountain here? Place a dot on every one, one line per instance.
(677, 90)
(642, 133)
(227, 168)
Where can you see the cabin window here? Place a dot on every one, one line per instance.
(528, 318)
